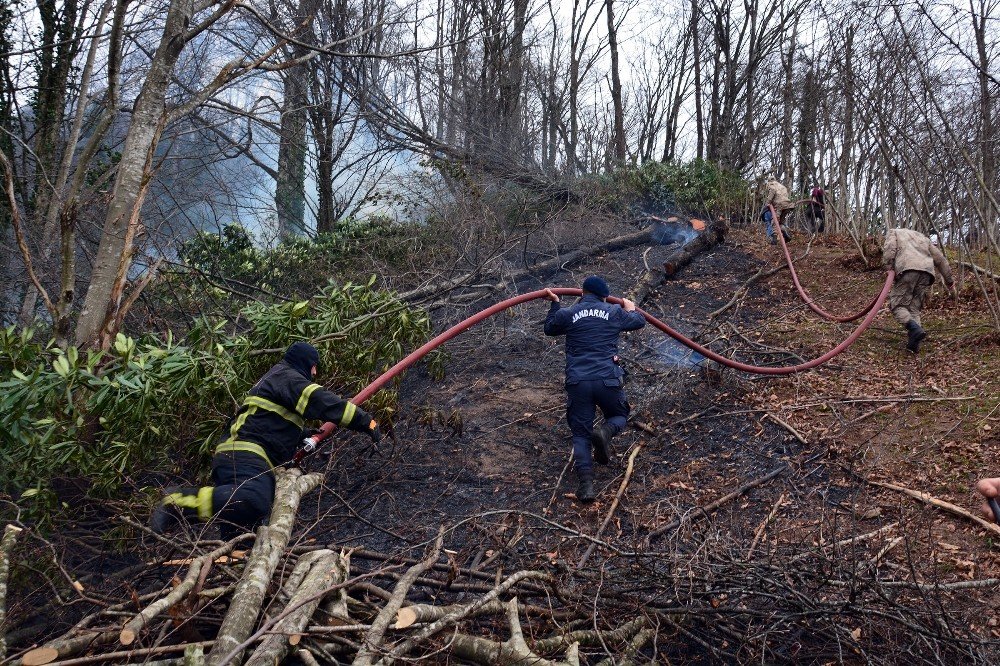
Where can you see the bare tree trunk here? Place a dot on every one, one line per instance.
(787, 111)
(808, 103)
(987, 145)
(698, 112)
(290, 195)
(618, 133)
(55, 62)
(290, 189)
(114, 254)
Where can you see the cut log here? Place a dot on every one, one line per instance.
(267, 551)
(683, 256)
(675, 261)
(463, 612)
(327, 569)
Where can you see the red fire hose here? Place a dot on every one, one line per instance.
(802, 292)
(464, 325)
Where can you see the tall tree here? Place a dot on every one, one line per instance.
(618, 149)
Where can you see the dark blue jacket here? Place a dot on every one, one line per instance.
(591, 327)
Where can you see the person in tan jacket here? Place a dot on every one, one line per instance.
(776, 195)
(914, 258)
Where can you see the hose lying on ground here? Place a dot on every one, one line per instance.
(798, 285)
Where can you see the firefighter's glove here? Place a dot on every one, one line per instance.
(363, 422)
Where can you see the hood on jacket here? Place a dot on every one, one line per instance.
(302, 356)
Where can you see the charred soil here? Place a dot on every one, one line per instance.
(812, 564)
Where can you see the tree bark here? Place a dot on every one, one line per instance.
(327, 569)
(114, 253)
(290, 195)
(618, 153)
(267, 551)
(10, 534)
(699, 114)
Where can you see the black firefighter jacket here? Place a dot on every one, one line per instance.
(270, 422)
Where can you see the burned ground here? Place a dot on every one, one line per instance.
(813, 565)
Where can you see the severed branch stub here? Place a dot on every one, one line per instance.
(514, 650)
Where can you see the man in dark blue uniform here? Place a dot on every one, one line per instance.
(265, 433)
(593, 378)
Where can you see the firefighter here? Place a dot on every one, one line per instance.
(263, 435)
(593, 378)
(816, 217)
(776, 195)
(914, 258)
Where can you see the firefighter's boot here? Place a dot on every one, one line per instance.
(179, 504)
(585, 491)
(914, 335)
(600, 438)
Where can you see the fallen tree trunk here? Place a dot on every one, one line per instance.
(674, 262)
(326, 570)
(562, 261)
(683, 256)
(267, 551)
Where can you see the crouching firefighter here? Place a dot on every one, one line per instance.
(593, 378)
(265, 433)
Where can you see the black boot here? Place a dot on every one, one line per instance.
(600, 439)
(169, 514)
(585, 492)
(914, 335)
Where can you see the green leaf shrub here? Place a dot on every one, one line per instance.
(156, 405)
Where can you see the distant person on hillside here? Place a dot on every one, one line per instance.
(816, 217)
(265, 433)
(990, 489)
(592, 327)
(914, 258)
(776, 196)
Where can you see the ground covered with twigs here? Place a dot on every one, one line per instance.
(738, 522)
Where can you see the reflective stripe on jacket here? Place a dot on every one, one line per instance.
(269, 423)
